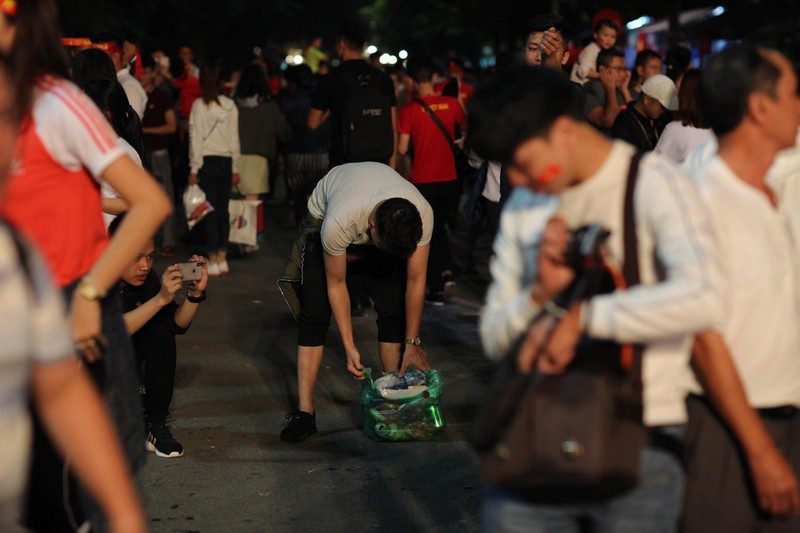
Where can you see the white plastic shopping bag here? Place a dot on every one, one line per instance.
(197, 207)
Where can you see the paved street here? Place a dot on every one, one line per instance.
(235, 383)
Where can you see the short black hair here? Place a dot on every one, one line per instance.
(644, 56)
(92, 64)
(728, 80)
(542, 23)
(114, 225)
(605, 23)
(352, 33)
(147, 61)
(677, 61)
(300, 75)
(399, 225)
(252, 82)
(606, 55)
(515, 105)
(420, 68)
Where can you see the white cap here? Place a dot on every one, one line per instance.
(662, 89)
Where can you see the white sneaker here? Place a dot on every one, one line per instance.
(213, 269)
(223, 267)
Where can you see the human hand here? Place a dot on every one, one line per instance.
(534, 339)
(171, 282)
(236, 178)
(553, 275)
(414, 356)
(200, 285)
(551, 43)
(607, 79)
(86, 321)
(193, 179)
(560, 349)
(354, 365)
(626, 79)
(775, 483)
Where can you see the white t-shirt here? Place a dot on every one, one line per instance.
(34, 331)
(137, 96)
(677, 296)
(759, 269)
(491, 191)
(106, 190)
(678, 141)
(346, 196)
(586, 62)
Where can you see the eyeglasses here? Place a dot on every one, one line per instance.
(618, 69)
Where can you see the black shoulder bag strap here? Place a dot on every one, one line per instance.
(509, 385)
(438, 122)
(630, 267)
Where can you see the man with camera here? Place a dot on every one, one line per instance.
(153, 319)
(527, 119)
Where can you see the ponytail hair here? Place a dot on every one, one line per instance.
(110, 97)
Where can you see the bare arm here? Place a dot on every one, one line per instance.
(335, 275)
(393, 159)
(775, 482)
(165, 129)
(316, 117)
(114, 206)
(75, 417)
(403, 143)
(415, 300)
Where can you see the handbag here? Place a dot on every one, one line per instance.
(463, 169)
(246, 221)
(577, 436)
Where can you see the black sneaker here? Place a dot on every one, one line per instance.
(301, 426)
(161, 441)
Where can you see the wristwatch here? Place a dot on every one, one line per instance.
(416, 341)
(196, 299)
(89, 290)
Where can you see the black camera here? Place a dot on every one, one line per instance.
(583, 248)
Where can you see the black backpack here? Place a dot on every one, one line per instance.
(367, 133)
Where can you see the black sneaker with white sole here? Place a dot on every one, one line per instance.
(301, 426)
(161, 441)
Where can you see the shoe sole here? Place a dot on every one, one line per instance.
(301, 439)
(150, 447)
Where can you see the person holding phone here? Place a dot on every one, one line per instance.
(153, 319)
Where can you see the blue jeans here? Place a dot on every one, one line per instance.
(654, 506)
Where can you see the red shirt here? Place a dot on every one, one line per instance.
(433, 154)
(53, 196)
(189, 91)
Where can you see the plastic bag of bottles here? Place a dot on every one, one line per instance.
(410, 413)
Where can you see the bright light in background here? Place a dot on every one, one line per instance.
(290, 59)
(392, 60)
(717, 11)
(257, 51)
(384, 59)
(371, 49)
(638, 23)
(298, 59)
(403, 54)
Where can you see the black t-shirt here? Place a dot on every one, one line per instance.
(635, 128)
(158, 334)
(331, 93)
(296, 106)
(158, 103)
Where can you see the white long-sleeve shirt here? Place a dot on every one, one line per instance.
(213, 131)
(677, 296)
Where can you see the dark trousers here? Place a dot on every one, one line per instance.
(385, 280)
(443, 197)
(158, 353)
(490, 220)
(216, 179)
(719, 490)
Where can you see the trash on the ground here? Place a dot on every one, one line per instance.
(409, 412)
